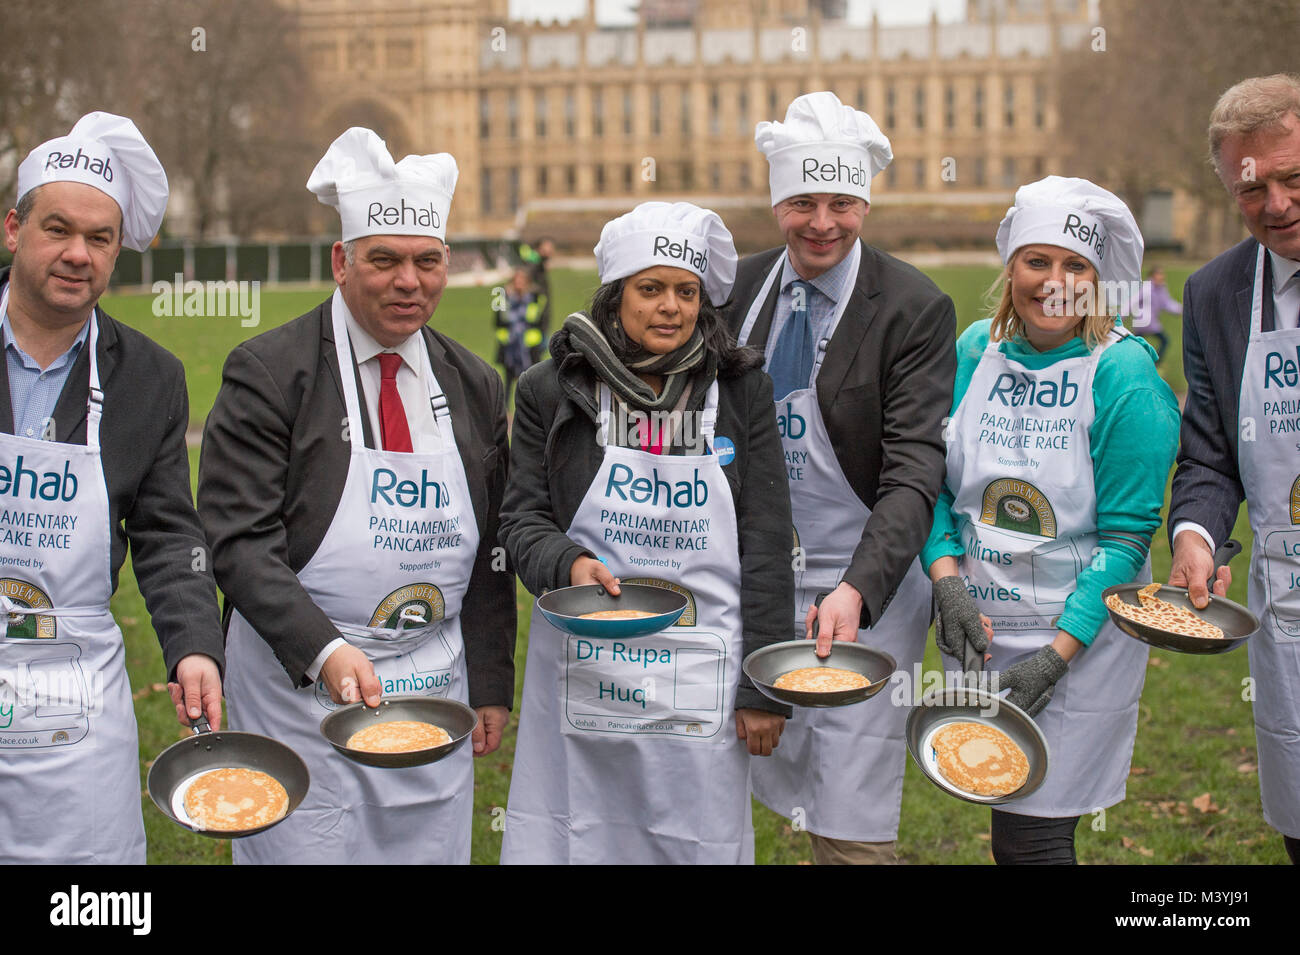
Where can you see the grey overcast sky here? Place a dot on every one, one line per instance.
(616, 11)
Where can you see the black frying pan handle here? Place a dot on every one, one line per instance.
(817, 621)
(1229, 550)
(200, 726)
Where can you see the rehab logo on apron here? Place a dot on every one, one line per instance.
(28, 626)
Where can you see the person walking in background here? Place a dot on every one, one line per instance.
(1156, 298)
(519, 333)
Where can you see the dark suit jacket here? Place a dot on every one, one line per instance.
(1216, 330)
(884, 390)
(272, 470)
(147, 471)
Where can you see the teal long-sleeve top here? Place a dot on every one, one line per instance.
(1134, 438)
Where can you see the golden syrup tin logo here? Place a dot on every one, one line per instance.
(1016, 505)
(687, 619)
(416, 605)
(24, 626)
(1295, 501)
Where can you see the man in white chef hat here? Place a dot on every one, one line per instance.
(860, 350)
(92, 460)
(350, 480)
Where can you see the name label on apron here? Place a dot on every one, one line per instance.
(652, 685)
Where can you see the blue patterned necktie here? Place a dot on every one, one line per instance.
(792, 358)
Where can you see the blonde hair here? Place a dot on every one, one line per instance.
(1007, 325)
(1253, 104)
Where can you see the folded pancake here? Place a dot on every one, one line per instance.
(398, 736)
(821, 680)
(980, 759)
(617, 615)
(1162, 615)
(235, 800)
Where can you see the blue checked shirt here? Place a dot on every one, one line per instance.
(34, 392)
(828, 288)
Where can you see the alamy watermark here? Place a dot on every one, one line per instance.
(195, 299)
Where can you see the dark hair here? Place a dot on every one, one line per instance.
(733, 360)
(25, 206)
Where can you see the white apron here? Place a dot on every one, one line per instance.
(839, 770)
(390, 574)
(70, 771)
(627, 749)
(1020, 467)
(1270, 475)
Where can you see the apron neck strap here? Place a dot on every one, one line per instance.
(348, 379)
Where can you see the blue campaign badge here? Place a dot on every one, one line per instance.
(724, 449)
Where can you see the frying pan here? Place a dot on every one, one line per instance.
(453, 716)
(563, 609)
(766, 665)
(171, 773)
(1236, 621)
(961, 704)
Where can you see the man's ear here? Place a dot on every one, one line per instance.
(11, 230)
(338, 262)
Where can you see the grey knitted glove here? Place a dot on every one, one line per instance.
(958, 622)
(1031, 681)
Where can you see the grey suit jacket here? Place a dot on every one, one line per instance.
(1216, 330)
(147, 471)
(884, 390)
(272, 470)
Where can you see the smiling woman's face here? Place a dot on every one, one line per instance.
(659, 308)
(1040, 280)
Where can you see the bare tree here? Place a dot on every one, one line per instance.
(1134, 104)
(215, 86)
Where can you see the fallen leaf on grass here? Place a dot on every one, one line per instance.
(1232, 731)
(1247, 768)
(146, 690)
(803, 862)
(1138, 771)
(983, 836)
(1205, 803)
(1210, 831)
(1128, 843)
(1157, 662)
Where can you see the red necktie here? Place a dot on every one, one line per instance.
(392, 416)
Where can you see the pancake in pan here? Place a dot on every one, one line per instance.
(821, 680)
(617, 615)
(979, 759)
(235, 800)
(1162, 615)
(398, 736)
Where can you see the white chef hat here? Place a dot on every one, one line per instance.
(823, 146)
(678, 234)
(376, 196)
(107, 152)
(1078, 215)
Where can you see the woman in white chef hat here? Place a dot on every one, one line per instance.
(646, 450)
(1061, 439)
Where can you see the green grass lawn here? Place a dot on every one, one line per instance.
(1195, 734)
